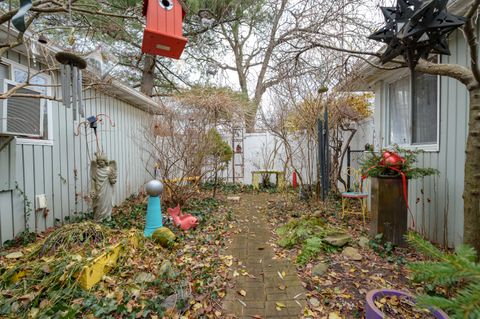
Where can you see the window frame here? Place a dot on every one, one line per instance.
(427, 147)
(12, 65)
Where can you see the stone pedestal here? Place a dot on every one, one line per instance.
(389, 210)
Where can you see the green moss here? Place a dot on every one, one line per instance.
(164, 236)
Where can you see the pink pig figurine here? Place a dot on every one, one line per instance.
(185, 222)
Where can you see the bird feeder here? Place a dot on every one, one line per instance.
(163, 34)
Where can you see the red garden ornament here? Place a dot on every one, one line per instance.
(294, 180)
(392, 159)
(164, 32)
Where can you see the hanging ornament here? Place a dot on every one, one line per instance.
(18, 20)
(416, 28)
(71, 79)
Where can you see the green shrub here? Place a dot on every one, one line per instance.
(457, 273)
(372, 166)
(311, 247)
(309, 232)
(298, 230)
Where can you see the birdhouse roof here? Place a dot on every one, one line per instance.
(181, 2)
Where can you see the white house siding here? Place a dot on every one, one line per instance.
(61, 171)
(437, 202)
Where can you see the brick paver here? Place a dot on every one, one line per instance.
(272, 286)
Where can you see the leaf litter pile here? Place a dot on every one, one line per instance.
(336, 261)
(187, 281)
(395, 307)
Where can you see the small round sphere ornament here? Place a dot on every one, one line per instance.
(154, 188)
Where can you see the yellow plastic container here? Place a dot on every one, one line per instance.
(101, 265)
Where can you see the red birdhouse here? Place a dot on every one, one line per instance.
(164, 32)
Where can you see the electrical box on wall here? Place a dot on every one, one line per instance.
(41, 201)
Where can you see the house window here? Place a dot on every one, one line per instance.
(418, 125)
(25, 116)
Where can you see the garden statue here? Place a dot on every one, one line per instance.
(153, 222)
(184, 221)
(103, 176)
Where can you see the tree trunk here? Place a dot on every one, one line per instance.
(251, 117)
(148, 76)
(471, 194)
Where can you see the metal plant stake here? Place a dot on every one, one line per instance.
(414, 29)
(323, 154)
(71, 80)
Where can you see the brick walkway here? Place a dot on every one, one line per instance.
(272, 287)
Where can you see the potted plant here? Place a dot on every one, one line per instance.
(390, 170)
(390, 303)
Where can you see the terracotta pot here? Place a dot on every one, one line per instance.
(372, 312)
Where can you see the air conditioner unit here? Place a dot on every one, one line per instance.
(22, 116)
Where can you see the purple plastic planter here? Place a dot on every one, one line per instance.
(372, 312)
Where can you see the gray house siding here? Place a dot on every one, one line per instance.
(436, 202)
(60, 170)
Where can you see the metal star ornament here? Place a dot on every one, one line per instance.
(416, 28)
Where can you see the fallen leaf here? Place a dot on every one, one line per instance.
(308, 313)
(334, 315)
(378, 304)
(14, 255)
(394, 301)
(144, 277)
(314, 302)
(197, 306)
(279, 306)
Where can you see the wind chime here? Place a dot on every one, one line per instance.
(414, 29)
(71, 80)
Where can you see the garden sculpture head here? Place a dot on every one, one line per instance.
(102, 160)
